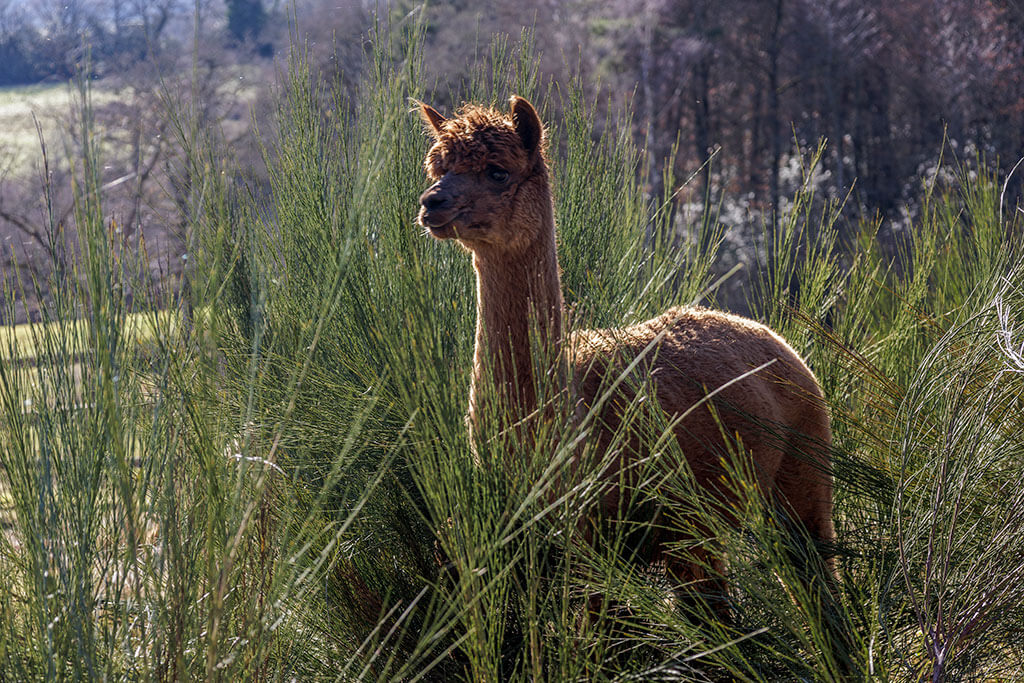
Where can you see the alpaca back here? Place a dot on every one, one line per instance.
(777, 411)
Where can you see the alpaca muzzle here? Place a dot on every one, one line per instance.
(437, 210)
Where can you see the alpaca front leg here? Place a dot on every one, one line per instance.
(699, 583)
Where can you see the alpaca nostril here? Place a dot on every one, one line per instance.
(435, 201)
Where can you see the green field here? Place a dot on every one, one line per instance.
(54, 108)
(20, 110)
(24, 342)
(285, 489)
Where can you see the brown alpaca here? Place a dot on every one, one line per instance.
(491, 193)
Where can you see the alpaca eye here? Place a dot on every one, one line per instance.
(498, 175)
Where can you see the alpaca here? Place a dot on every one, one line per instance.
(491, 193)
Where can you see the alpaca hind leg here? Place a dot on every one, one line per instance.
(803, 487)
(804, 515)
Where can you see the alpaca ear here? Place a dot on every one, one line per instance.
(527, 123)
(432, 118)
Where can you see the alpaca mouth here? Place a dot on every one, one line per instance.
(442, 232)
(441, 224)
(445, 225)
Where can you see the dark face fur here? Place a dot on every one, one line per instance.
(487, 171)
(470, 206)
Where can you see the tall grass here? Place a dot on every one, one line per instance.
(278, 482)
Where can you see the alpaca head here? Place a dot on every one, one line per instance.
(490, 188)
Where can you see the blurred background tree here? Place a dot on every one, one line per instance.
(890, 87)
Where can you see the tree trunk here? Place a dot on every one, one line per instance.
(774, 125)
(700, 95)
(701, 87)
(754, 157)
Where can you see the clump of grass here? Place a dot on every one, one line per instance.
(139, 536)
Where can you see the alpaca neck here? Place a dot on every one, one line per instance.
(519, 323)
